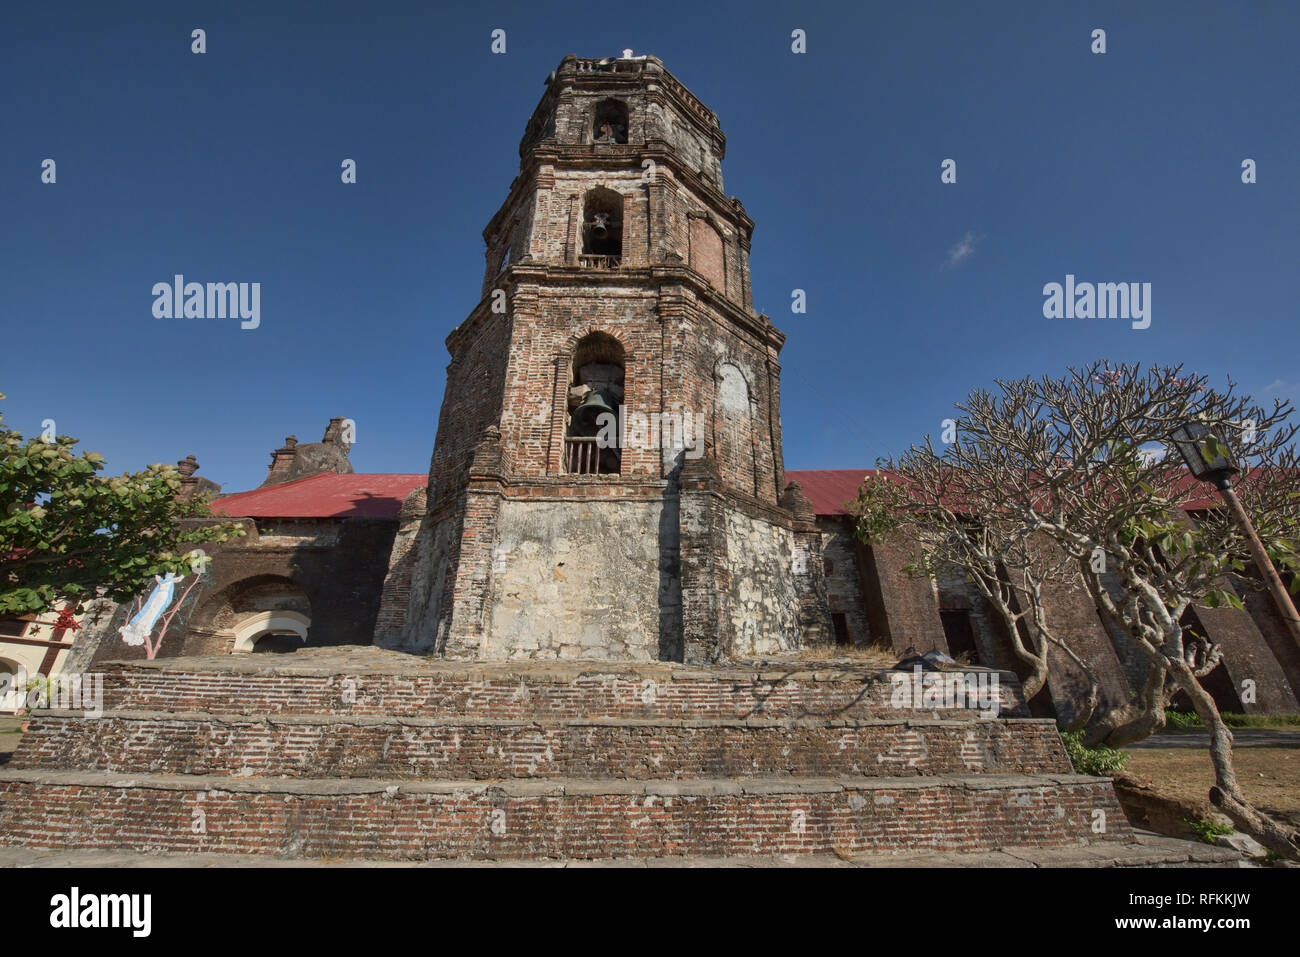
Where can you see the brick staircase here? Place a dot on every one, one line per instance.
(370, 754)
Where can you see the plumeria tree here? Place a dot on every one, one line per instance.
(68, 533)
(1010, 567)
(1082, 461)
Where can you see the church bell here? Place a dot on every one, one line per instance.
(585, 416)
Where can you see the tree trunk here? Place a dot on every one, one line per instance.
(1036, 680)
(1135, 721)
(1226, 794)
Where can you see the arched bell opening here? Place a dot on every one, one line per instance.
(595, 394)
(602, 229)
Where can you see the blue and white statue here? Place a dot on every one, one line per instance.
(135, 631)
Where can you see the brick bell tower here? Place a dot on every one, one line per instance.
(617, 282)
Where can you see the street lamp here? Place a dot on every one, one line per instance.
(1200, 449)
(1204, 454)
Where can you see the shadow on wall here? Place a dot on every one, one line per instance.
(670, 568)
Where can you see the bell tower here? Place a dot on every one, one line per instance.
(607, 479)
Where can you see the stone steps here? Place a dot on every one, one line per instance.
(365, 754)
(530, 819)
(455, 747)
(523, 690)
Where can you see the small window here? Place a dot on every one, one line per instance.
(610, 124)
(828, 566)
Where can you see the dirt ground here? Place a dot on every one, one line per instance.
(1270, 777)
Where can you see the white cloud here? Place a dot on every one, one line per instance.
(963, 251)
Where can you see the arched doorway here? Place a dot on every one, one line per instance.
(246, 613)
(274, 632)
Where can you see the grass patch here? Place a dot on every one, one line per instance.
(1207, 831)
(1101, 760)
(1184, 720)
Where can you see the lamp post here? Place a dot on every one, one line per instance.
(1202, 451)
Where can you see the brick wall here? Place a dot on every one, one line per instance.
(902, 610)
(706, 252)
(430, 820)
(843, 580)
(1263, 611)
(497, 692)
(471, 401)
(452, 748)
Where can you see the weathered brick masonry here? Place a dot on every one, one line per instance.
(494, 690)
(400, 758)
(541, 819)
(615, 247)
(456, 748)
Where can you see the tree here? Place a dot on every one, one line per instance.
(1084, 462)
(68, 533)
(1009, 567)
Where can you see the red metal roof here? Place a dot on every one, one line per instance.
(376, 495)
(380, 494)
(829, 489)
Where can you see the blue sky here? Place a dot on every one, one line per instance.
(225, 167)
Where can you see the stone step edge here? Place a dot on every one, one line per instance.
(1146, 849)
(547, 672)
(454, 721)
(528, 788)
